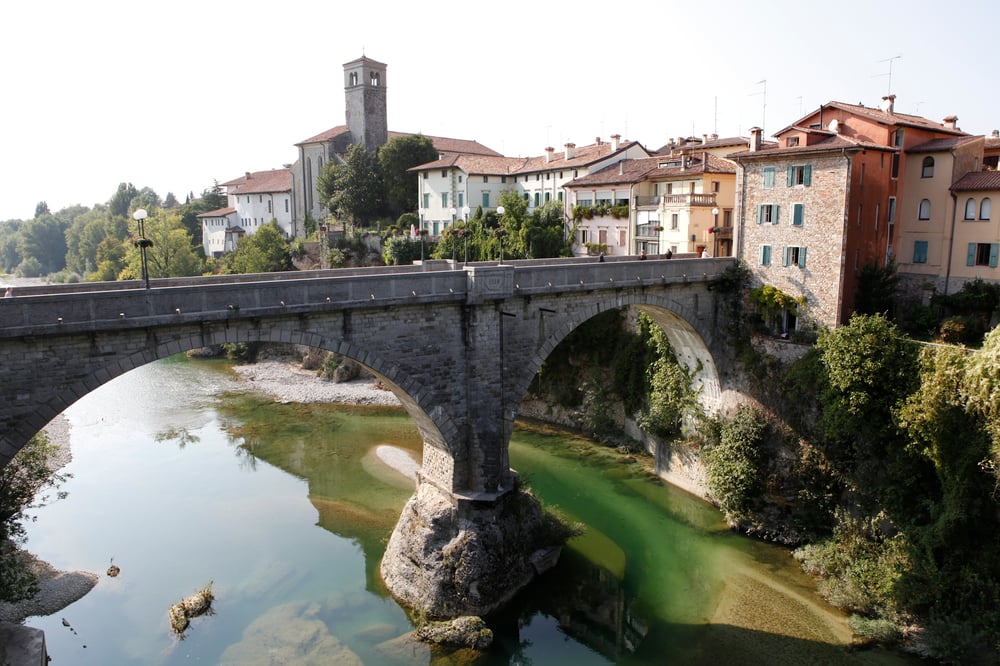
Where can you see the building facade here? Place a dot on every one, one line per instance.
(254, 199)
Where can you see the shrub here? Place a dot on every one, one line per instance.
(734, 464)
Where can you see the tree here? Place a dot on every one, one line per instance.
(170, 201)
(352, 191)
(545, 232)
(121, 202)
(876, 291)
(44, 239)
(171, 255)
(394, 159)
(41, 208)
(266, 251)
(23, 483)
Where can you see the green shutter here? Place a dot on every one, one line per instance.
(768, 177)
(807, 174)
(802, 257)
(797, 214)
(760, 213)
(774, 213)
(790, 170)
(994, 252)
(970, 258)
(784, 256)
(765, 255)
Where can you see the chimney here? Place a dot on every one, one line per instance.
(951, 122)
(621, 167)
(755, 138)
(248, 175)
(714, 136)
(995, 134)
(888, 102)
(597, 140)
(570, 150)
(549, 154)
(615, 139)
(704, 139)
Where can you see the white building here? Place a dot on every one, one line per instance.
(254, 200)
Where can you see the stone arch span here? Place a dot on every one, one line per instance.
(682, 322)
(435, 423)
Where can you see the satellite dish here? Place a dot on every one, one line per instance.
(834, 126)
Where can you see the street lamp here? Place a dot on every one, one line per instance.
(715, 230)
(453, 212)
(142, 243)
(465, 214)
(501, 232)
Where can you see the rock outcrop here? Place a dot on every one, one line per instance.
(450, 557)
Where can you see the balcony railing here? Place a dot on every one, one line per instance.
(689, 199)
(648, 202)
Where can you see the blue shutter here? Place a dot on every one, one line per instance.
(970, 258)
(797, 214)
(994, 251)
(774, 213)
(768, 177)
(802, 257)
(760, 213)
(807, 175)
(784, 256)
(765, 255)
(790, 176)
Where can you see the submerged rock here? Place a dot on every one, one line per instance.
(466, 631)
(197, 604)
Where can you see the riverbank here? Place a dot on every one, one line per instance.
(286, 381)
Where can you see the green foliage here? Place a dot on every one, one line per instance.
(25, 483)
(404, 250)
(266, 251)
(671, 398)
(172, 253)
(734, 465)
(876, 290)
(771, 302)
(395, 158)
(352, 191)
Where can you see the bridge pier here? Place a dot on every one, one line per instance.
(457, 554)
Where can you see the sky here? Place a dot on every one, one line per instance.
(179, 95)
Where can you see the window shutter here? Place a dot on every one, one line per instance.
(970, 258)
(774, 213)
(768, 177)
(802, 257)
(994, 252)
(784, 256)
(760, 213)
(797, 214)
(807, 175)
(789, 176)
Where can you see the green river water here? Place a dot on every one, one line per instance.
(286, 510)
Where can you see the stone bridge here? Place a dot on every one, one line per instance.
(458, 344)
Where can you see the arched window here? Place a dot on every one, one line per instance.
(928, 168)
(970, 209)
(984, 209)
(925, 209)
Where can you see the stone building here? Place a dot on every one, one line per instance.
(821, 204)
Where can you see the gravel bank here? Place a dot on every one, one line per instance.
(286, 382)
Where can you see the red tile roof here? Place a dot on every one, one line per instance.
(879, 116)
(583, 157)
(940, 145)
(992, 143)
(442, 144)
(694, 143)
(647, 168)
(261, 182)
(489, 165)
(218, 212)
(833, 142)
(978, 181)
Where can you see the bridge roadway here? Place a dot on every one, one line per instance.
(458, 344)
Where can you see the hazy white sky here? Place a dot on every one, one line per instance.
(176, 95)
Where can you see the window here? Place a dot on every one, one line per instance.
(269, 206)
(602, 236)
(897, 138)
(970, 209)
(560, 195)
(984, 209)
(795, 256)
(927, 167)
(920, 252)
(286, 205)
(791, 141)
(425, 175)
(895, 166)
(537, 199)
(444, 173)
(983, 254)
(767, 214)
(715, 186)
(621, 237)
(427, 200)
(548, 175)
(460, 178)
(503, 179)
(486, 179)
(925, 210)
(461, 199)
(765, 255)
(583, 236)
(892, 211)
(768, 177)
(486, 199)
(538, 176)
(548, 196)
(798, 213)
(800, 175)
(444, 200)
(674, 221)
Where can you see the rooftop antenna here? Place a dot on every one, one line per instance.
(763, 113)
(889, 60)
(800, 105)
(715, 122)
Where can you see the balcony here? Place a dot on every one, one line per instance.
(689, 199)
(647, 202)
(648, 230)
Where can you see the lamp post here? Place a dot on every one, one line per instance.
(715, 229)
(453, 212)
(140, 216)
(501, 232)
(465, 214)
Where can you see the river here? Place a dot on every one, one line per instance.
(285, 509)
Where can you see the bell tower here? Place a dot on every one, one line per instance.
(365, 102)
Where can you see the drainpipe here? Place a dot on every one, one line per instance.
(951, 241)
(846, 231)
